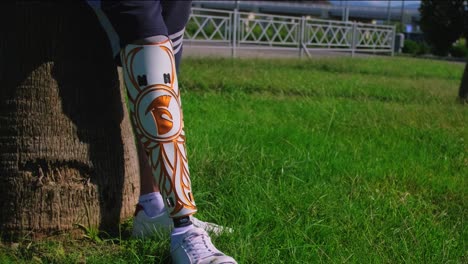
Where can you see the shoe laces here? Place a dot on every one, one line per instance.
(198, 245)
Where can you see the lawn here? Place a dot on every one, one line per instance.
(359, 160)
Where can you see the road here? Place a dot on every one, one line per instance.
(196, 50)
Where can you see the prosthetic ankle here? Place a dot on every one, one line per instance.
(154, 101)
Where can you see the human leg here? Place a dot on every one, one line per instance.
(150, 76)
(138, 23)
(154, 100)
(151, 216)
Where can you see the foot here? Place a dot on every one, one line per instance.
(145, 226)
(194, 246)
(210, 227)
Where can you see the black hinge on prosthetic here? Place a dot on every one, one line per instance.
(142, 81)
(167, 78)
(181, 222)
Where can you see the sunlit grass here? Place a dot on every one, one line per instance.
(330, 160)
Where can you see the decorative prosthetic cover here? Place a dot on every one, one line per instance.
(155, 107)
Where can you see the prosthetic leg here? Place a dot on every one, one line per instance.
(154, 100)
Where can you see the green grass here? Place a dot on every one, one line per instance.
(310, 161)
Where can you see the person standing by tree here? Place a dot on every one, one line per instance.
(151, 34)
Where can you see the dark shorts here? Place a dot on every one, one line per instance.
(133, 20)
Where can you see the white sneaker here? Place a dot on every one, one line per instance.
(195, 247)
(210, 227)
(145, 226)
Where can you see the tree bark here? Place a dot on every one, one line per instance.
(463, 92)
(67, 152)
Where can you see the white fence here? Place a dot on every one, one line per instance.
(240, 30)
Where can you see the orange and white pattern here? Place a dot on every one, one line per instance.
(154, 101)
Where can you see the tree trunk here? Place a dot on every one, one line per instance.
(463, 92)
(67, 152)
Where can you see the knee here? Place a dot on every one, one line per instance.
(150, 40)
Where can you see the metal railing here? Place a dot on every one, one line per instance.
(268, 30)
(208, 25)
(241, 30)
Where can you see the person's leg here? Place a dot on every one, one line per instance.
(147, 183)
(150, 213)
(150, 200)
(154, 101)
(132, 21)
(149, 69)
(175, 15)
(150, 77)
